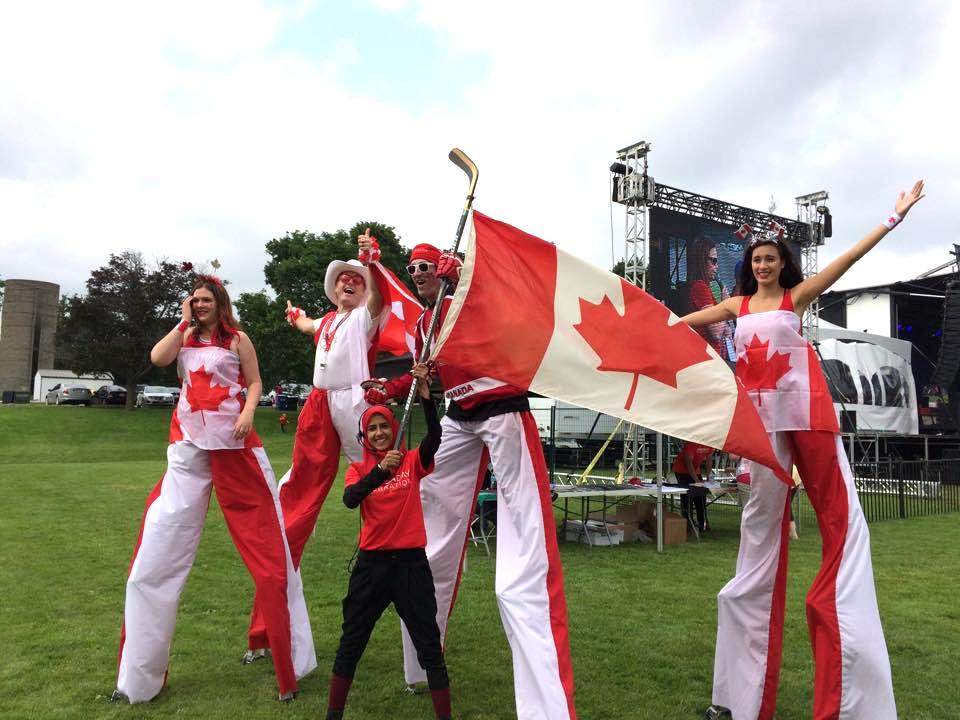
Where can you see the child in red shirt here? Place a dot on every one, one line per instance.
(392, 561)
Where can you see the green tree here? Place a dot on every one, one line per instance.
(127, 308)
(284, 355)
(296, 271)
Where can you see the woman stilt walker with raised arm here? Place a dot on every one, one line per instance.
(781, 373)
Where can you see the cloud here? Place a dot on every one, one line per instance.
(198, 131)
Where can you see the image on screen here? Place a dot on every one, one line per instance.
(693, 264)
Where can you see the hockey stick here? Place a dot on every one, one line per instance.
(459, 158)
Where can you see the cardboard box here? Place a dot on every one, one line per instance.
(595, 533)
(674, 528)
(628, 518)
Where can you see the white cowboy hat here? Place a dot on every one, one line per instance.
(339, 266)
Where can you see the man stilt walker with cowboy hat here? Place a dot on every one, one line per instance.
(345, 341)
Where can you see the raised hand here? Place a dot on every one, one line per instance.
(186, 308)
(906, 200)
(368, 249)
(391, 461)
(293, 314)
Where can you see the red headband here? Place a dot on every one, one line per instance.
(212, 279)
(427, 252)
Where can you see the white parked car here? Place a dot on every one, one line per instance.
(155, 395)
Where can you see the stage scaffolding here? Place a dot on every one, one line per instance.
(637, 192)
(634, 189)
(813, 213)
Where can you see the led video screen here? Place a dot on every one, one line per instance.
(694, 263)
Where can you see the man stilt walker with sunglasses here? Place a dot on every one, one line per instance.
(488, 420)
(345, 341)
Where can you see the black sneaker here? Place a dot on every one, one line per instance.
(716, 712)
(251, 656)
(118, 697)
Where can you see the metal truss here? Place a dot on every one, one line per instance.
(810, 208)
(689, 203)
(634, 189)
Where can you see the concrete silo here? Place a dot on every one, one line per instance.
(28, 328)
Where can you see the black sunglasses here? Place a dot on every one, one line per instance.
(714, 261)
(422, 266)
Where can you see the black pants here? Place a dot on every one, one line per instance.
(402, 577)
(699, 497)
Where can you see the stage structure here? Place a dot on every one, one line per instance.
(663, 224)
(812, 211)
(634, 189)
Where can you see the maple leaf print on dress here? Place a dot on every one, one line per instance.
(639, 342)
(759, 372)
(201, 394)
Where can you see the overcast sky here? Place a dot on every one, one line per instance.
(200, 130)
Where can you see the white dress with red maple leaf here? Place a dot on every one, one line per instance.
(202, 456)
(852, 668)
(780, 372)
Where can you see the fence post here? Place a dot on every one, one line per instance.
(553, 441)
(901, 500)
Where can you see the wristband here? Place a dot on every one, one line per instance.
(182, 326)
(892, 221)
(294, 314)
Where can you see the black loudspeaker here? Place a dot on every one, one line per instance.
(948, 363)
(848, 421)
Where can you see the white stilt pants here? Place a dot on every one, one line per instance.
(172, 522)
(852, 677)
(529, 582)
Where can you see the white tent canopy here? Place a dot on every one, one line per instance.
(872, 374)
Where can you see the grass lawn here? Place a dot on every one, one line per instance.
(73, 481)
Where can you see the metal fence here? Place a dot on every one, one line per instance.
(888, 487)
(892, 488)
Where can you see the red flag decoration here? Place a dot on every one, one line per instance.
(541, 319)
(399, 335)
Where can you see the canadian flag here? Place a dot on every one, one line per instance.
(541, 319)
(399, 334)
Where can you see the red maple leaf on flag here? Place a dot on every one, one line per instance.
(640, 341)
(757, 371)
(201, 394)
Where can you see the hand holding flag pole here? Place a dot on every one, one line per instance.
(459, 158)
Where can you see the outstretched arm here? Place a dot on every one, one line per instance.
(724, 310)
(298, 319)
(811, 288)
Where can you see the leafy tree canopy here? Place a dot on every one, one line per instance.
(128, 307)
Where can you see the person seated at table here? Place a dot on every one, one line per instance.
(686, 466)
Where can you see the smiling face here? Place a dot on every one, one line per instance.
(425, 279)
(379, 433)
(349, 290)
(767, 264)
(204, 307)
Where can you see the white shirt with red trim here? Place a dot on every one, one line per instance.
(343, 343)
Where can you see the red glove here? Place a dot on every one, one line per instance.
(293, 315)
(371, 255)
(448, 268)
(379, 391)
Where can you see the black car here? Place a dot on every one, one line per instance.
(111, 395)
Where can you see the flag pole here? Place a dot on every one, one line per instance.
(461, 160)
